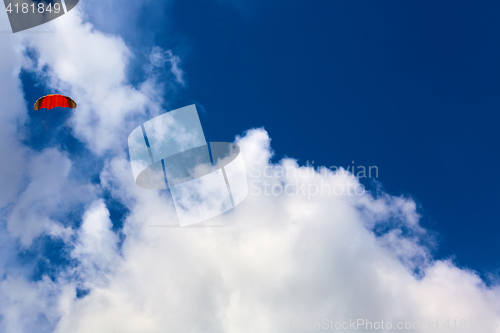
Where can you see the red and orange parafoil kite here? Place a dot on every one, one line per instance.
(53, 101)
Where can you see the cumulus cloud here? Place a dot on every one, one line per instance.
(12, 115)
(282, 257)
(25, 305)
(49, 190)
(96, 247)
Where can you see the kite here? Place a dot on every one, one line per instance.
(53, 101)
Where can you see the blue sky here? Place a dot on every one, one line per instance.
(411, 87)
(408, 87)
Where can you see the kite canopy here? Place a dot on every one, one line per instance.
(54, 101)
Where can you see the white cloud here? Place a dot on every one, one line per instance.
(97, 244)
(159, 57)
(48, 191)
(281, 258)
(25, 305)
(12, 152)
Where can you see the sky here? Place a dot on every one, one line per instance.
(408, 87)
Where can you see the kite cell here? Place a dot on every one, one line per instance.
(170, 151)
